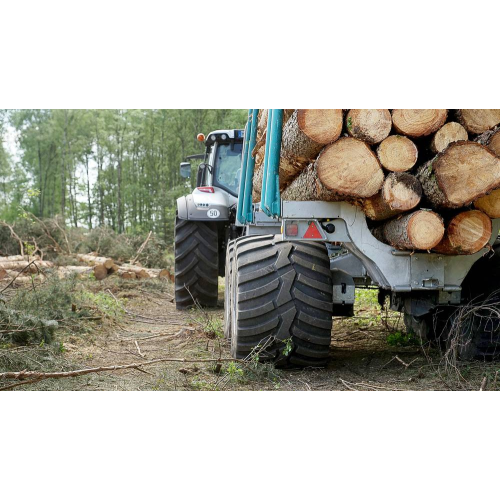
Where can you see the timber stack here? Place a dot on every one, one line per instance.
(426, 179)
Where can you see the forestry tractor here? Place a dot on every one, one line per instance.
(295, 264)
(205, 219)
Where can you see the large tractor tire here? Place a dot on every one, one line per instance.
(473, 329)
(480, 316)
(281, 301)
(228, 289)
(196, 263)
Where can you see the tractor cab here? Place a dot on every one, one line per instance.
(221, 163)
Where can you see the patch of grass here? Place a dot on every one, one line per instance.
(401, 339)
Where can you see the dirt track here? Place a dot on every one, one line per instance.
(361, 358)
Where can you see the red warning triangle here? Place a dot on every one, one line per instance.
(312, 232)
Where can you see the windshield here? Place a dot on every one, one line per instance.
(228, 166)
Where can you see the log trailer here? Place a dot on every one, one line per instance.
(284, 285)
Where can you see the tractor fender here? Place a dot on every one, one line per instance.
(187, 209)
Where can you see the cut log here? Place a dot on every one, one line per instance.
(308, 187)
(369, 125)
(100, 272)
(260, 146)
(11, 258)
(126, 275)
(478, 121)
(64, 271)
(490, 204)
(257, 180)
(467, 233)
(448, 133)
(462, 173)
(418, 122)
(349, 168)
(490, 139)
(494, 144)
(19, 265)
(304, 136)
(3, 274)
(94, 260)
(401, 192)
(420, 230)
(397, 153)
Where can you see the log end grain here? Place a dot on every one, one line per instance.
(369, 125)
(323, 126)
(448, 133)
(350, 168)
(490, 204)
(466, 234)
(466, 171)
(420, 230)
(478, 121)
(418, 122)
(100, 272)
(397, 153)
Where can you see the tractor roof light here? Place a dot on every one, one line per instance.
(200, 137)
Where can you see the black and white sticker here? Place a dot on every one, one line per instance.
(213, 213)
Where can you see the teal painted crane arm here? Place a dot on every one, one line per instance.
(270, 198)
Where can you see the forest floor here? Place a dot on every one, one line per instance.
(368, 352)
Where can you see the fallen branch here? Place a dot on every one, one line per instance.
(32, 376)
(14, 235)
(141, 248)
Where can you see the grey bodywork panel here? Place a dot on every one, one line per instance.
(203, 206)
(388, 268)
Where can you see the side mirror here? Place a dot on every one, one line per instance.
(185, 170)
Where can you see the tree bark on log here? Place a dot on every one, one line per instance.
(307, 187)
(304, 136)
(448, 133)
(478, 121)
(490, 139)
(94, 259)
(11, 258)
(401, 192)
(19, 265)
(494, 144)
(369, 125)
(418, 122)
(467, 233)
(397, 153)
(462, 173)
(420, 230)
(350, 168)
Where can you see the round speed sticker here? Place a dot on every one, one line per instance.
(213, 213)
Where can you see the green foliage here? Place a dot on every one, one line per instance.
(33, 314)
(401, 339)
(116, 168)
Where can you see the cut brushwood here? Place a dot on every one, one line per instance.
(349, 168)
(397, 153)
(369, 125)
(467, 233)
(401, 192)
(478, 121)
(420, 230)
(459, 175)
(418, 122)
(448, 133)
